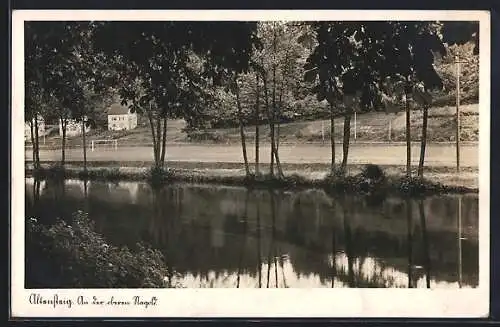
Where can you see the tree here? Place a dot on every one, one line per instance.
(78, 79)
(266, 68)
(33, 104)
(356, 58)
(36, 57)
(164, 67)
(413, 63)
(50, 69)
(257, 122)
(235, 87)
(422, 97)
(278, 62)
(343, 64)
(461, 32)
(89, 74)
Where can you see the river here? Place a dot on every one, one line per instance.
(228, 237)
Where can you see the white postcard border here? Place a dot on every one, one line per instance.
(249, 302)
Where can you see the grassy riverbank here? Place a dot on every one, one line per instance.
(437, 180)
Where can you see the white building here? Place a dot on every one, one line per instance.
(41, 128)
(73, 128)
(120, 118)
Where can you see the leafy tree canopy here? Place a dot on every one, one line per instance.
(356, 58)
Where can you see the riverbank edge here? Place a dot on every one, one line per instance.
(353, 182)
(360, 143)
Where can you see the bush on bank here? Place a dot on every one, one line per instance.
(106, 174)
(55, 172)
(372, 178)
(74, 255)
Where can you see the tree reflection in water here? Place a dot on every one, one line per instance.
(334, 245)
(459, 218)
(425, 240)
(345, 202)
(162, 226)
(243, 237)
(271, 246)
(409, 222)
(259, 240)
(207, 238)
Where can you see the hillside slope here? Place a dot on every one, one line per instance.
(373, 126)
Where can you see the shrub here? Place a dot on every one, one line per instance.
(38, 173)
(417, 186)
(373, 173)
(158, 176)
(79, 257)
(106, 174)
(54, 172)
(203, 136)
(295, 180)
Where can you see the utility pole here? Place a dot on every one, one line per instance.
(355, 125)
(457, 137)
(323, 132)
(460, 238)
(390, 130)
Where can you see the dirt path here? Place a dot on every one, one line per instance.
(436, 155)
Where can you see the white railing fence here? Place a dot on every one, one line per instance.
(113, 144)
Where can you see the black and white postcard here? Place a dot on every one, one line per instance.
(226, 163)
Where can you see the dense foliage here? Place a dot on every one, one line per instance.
(214, 74)
(69, 255)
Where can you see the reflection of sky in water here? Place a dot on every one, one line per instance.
(205, 225)
(285, 276)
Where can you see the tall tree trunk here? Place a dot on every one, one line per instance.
(266, 98)
(158, 141)
(279, 111)
(275, 141)
(345, 141)
(408, 137)
(332, 138)
(163, 141)
(257, 122)
(155, 137)
(423, 142)
(32, 135)
(274, 154)
(242, 131)
(273, 146)
(37, 143)
(64, 123)
(273, 149)
(84, 145)
(278, 163)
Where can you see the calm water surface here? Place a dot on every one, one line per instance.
(232, 237)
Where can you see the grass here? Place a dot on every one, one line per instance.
(372, 126)
(356, 181)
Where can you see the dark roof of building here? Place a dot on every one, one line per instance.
(118, 109)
